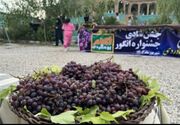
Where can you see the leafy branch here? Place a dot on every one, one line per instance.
(5, 92)
(154, 87)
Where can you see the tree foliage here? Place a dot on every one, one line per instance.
(168, 10)
(24, 11)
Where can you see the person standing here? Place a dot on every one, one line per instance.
(117, 17)
(103, 20)
(86, 18)
(129, 21)
(84, 38)
(58, 31)
(68, 29)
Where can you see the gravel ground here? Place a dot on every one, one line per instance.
(21, 60)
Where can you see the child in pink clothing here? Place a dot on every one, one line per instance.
(68, 32)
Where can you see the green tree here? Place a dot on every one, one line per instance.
(24, 11)
(168, 10)
(18, 18)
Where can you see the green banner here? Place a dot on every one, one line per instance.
(102, 43)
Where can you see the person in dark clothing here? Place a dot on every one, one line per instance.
(59, 31)
(86, 18)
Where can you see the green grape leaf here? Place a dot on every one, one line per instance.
(154, 85)
(64, 118)
(12, 88)
(145, 100)
(118, 114)
(153, 93)
(93, 84)
(102, 118)
(44, 113)
(86, 118)
(123, 114)
(136, 71)
(95, 120)
(107, 116)
(79, 109)
(87, 114)
(5, 92)
(93, 110)
(145, 79)
(98, 120)
(162, 97)
(86, 111)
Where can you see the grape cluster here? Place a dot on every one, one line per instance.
(74, 70)
(104, 84)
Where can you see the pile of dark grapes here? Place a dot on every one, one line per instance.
(104, 84)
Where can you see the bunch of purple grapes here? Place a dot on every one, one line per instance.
(104, 84)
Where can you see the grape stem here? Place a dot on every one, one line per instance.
(18, 77)
(108, 59)
(126, 92)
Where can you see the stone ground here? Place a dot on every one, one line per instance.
(21, 60)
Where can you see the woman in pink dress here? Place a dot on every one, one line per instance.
(68, 32)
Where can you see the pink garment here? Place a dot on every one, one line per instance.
(68, 32)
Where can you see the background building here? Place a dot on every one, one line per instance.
(139, 7)
(144, 10)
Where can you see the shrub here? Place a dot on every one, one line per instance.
(111, 21)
